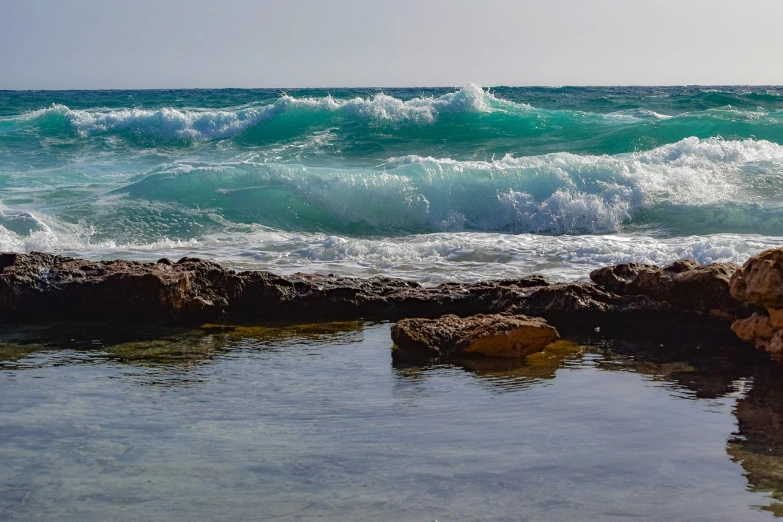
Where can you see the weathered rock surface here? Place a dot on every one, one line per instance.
(686, 285)
(754, 329)
(42, 287)
(760, 282)
(47, 288)
(496, 335)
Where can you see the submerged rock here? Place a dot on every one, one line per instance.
(760, 282)
(495, 335)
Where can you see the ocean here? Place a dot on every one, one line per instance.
(320, 422)
(434, 185)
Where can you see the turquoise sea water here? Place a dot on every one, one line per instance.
(319, 422)
(430, 184)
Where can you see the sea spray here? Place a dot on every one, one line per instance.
(412, 182)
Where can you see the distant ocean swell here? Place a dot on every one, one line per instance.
(475, 119)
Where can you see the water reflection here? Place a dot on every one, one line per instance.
(435, 394)
(758, 444)
(704, 372)
(154, 345)
(709, 371)
(504, 374)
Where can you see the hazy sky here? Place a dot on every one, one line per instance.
(47, 44)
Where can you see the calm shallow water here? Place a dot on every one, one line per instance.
(319, 423)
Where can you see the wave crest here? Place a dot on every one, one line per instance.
(714, 183)
(215, 124)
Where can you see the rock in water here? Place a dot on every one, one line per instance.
(495, 335)
(38, 287)
(43, 287)
(760, 282)
(685, 285)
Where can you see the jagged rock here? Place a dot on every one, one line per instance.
(685, 285)
(47, 288)
(775, 346)
(42, 287)
(755, 329)
(760, 282)
(494, 335)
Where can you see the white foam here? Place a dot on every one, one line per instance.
(223, 123)
(638, 115)
(166, 122)
(597, 193)
(428, 258)
(712, 181)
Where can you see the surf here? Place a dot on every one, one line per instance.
(692, 186)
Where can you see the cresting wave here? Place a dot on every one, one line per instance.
(429, 184)
(689, 187)
(465, 116)
(212, 124)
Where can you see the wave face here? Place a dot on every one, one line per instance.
(470, 123)
(218, 173)
(692, 186)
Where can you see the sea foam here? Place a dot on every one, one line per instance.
(426, 184)
(428, 258)
(213, 124)
(711, 182)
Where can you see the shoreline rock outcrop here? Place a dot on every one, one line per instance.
(685, 284)
(495, 335)
(760, 282)
(623, 302)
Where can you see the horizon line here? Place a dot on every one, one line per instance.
(525, 86)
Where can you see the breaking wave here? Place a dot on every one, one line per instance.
(692, 186)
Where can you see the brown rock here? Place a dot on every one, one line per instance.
(685, 284)
(47, 288)
(42, 287)
(754, 329)
(775, 346)
(775, 317)
(760, 281)
(494, 335)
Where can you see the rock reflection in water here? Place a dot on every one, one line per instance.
(154, 345)
(506, 373)
(705, 372)
(758, 444)
(172, 359)
(709, 371)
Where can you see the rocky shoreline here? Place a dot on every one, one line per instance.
(680, 301)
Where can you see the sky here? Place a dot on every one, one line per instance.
(113, 44)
